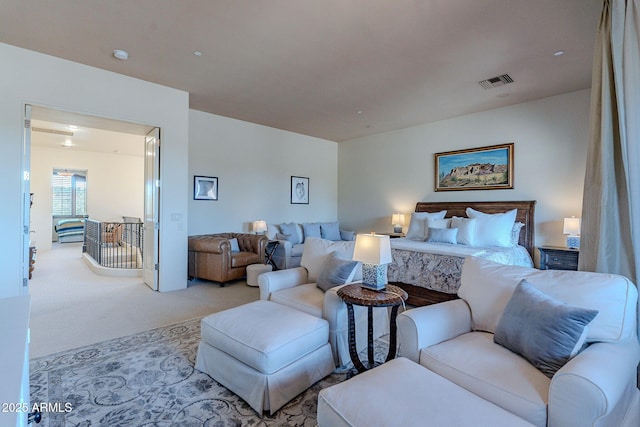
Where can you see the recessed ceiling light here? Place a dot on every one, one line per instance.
(121, 54)
(197, 53)
(67, 143)
(73, 127)
(359, 112)
(558, 53)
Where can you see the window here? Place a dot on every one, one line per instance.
(69, 192)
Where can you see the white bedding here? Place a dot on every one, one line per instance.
(514, 255)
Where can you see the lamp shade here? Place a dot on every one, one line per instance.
(372, 249)
(571, 226)
(397, 219)
(259, 226)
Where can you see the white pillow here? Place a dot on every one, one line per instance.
(316, 251)
(234, 245)
(515, 233)
(466, 230)
(438, 223)
(418, 225)
(493, 229)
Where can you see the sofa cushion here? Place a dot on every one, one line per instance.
(476, 363)
(242, 259)
(290, 228)
(296, 250)
(272, 230)
(316, 251)
(311, 229)
(347, 235)
(330, 230)
(307, 298)
(336, 271)
(541, 329)
(487, 286)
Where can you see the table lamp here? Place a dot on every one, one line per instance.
(374, 251)
(397, 219)
(259, 226)
(572, 228)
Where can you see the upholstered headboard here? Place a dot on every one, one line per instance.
(525, 214)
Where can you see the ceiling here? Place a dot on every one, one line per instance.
(334, 69)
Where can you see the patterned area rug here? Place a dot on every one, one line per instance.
(148, 379)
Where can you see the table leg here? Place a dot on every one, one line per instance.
(353, 351)
(370, 337)
(392, 333)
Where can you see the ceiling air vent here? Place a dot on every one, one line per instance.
(53, 131)
(496, 81)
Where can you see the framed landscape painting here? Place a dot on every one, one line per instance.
(482, 168)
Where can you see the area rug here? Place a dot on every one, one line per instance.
(148, 379)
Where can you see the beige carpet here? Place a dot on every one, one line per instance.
(71, 306)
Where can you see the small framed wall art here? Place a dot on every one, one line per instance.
(205, 187)
(482, 168)
(299, 190)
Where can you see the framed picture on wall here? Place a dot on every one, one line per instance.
(205, 188)
(482, 168)
(299, 190)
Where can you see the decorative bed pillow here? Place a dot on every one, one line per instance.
(515, 233)
(418, 225)
(291, 229)
(311, 229)
(347, 235)
(466, 230)
(336, 271)
(234, 245)
(543, 330)
(438, 223)
(493, 229)
(330, 231)
(442, 235)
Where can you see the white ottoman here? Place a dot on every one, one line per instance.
(403, 393)
(265, 352)
(254, 270)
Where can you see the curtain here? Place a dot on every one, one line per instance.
(611, 203)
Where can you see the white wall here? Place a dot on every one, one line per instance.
(115, 186)
(391, 172)
(254, 165)
(27, 77)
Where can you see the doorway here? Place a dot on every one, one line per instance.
(114, 154)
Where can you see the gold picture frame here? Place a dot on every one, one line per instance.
(481, 168)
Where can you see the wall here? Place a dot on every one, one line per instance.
(115, 186)
(254, 165)
(391, 172)
(27, 77)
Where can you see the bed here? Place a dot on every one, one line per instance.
(430, 272)
(69, 230)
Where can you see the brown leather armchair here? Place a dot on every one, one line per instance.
(210, 255)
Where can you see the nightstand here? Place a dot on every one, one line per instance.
(558, 258)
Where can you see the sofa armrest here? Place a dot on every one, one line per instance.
(282, 254)
(595, 387)
(281, 279)
(425, 326)
(210, 244)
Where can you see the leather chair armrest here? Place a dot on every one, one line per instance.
(255, 243)
(594, 385)
(281, 279)
(211, 244)
(425, 326)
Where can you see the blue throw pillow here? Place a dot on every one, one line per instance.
(335, 271)
(330, 231)
(442, 235)
(543, 330)
(311, 230)
(347, 235)
(290, 228)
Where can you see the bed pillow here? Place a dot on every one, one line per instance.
(493, 229)
(442, 235)
(234, 245)
(347, 235)
(336, 271)
(542, 329)
(330, 230)
(438, 223)
(418, 225)
(466, 230)
(515, 233)
(290, 228)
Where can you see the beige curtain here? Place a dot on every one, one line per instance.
(611, 204)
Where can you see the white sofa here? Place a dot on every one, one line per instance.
(597, 387)
(296, 287)
(288, 254)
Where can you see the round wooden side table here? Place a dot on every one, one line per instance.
(356, 294)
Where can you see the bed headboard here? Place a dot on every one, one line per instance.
(524, 215)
